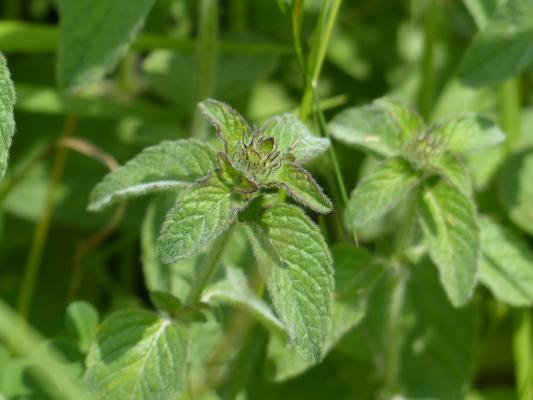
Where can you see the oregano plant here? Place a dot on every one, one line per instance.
(237, 184)
(424, 159)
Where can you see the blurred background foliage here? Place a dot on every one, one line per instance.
(408, 49)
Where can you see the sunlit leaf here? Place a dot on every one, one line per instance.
(7, 120)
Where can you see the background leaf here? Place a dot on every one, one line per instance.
(168, 165)
(380, 191)
(506, 265)
(297, 267)
(94, 34)
(503, 48)
(449, 223)
(7, 120)
(369, 127)
(515, 187)
(466, 133)
(134, 352)
(81, 321)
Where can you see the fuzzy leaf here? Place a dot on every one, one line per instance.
(229, 124)
(515, 186)
(234, 290)
(301, 186)
(81, 321)
(297, 267)
(135, 351)
(380, 191)
(291, 134)
(356, 274)
(369, 127)
(94, 35)
(203, 212)
(503, 48)
(469, 132)
(168, 165)
(449, 223)
(506, 264)
(407, 120)
(7, 120)
(451, 168)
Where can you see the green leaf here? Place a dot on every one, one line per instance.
(452, 169)
(297, 267)
(503, 48)
(369, 127)
(81, 321)
(168, 165)
(7, 119)
(94, 35)
(229, 124)
(506, 264)
(301, 186)
(203, 212)
(234, 290)
(440, 342)
(292, 135)
(356, 274)
(515, 186)
(166, 302)
(469, 132)
(137, 355)
(380, 191)
(449, 223)
(407, 121)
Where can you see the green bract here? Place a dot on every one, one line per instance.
(215, 187)
(428, 157)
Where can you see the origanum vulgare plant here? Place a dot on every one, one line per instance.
(219, 188)
(422, 163)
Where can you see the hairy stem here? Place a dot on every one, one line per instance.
(207, 269)
(427, 79)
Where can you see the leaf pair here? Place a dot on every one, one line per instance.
(422, 156)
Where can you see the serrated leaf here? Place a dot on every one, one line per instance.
(356, 274)
(297, 267)
(449, 224)
(7, 119)
(229, 124)
(452, 169)
(408, 121)
(503, 48)
(93, 35)
(234, 290)
(380, 191)
(515, 187)
(469, 132)
(506, 264)
(203, 212)
(81, 321)
(369, 127)
(137, 355)
(301, 186)
(292, 135)
(168, 165)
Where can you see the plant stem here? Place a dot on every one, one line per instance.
(321, 40)
(209, 264)
(523, 353)
(41, 231)
(427, 84)
(510, 104)
(206, 56)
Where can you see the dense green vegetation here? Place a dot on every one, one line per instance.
(257, 199)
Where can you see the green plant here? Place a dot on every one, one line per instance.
(222, 256)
